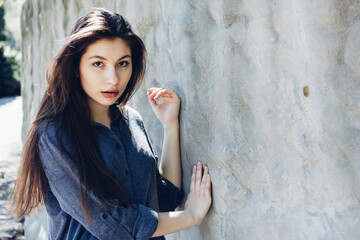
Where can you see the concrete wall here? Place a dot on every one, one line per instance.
(284, 165)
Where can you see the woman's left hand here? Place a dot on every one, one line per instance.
(168, 111)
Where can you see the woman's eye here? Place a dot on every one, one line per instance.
(123, 63)
(98, 64)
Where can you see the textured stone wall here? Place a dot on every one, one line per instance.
(284, 165)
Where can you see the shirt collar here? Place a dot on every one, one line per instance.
(118, 113)
(115, 114)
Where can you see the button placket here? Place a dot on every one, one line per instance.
(124, 161)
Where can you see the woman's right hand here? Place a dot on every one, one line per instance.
(199, 199)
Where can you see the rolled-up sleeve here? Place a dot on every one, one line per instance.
(106, 222)
(169, 195)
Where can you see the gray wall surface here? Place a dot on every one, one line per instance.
(284, 165)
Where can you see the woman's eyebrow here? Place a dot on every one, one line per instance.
(97, 56)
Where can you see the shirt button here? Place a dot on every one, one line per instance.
(126, 172)
(104, 215)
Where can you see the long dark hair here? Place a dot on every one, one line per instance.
(65, 101)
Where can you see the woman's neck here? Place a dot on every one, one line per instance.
(100, 114)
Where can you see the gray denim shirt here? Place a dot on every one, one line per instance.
(127, 152)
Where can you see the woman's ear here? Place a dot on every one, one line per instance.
(77, 74)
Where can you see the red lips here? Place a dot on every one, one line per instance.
(110, 93)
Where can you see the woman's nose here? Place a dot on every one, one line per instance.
(112, 77)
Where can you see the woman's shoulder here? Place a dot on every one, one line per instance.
(132, 113)
(51, 135)
(132, 117)
(48, 130)
(47, 127)
(128, 113)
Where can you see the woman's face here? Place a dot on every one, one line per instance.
(105, 69)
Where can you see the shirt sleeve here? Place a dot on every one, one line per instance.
(168, 194)
(106, 222)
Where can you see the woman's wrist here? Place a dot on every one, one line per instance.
(171, 125)
(189, 218)
(193, 221)
(170, 222)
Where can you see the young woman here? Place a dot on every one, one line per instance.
(87, 156)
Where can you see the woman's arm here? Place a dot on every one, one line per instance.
(170, 165)
(199, 199)
(167, 113)
(196, 207)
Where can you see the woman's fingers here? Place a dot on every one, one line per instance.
(198, 176)
(168, 96)
(208, 186)
(200, 182)
(156, 93)
(159, 94)
(152, 89)
(192, 183)
(203, 180)
(152, 93)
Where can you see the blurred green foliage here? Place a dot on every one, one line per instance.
(2, 23)
(9, 66)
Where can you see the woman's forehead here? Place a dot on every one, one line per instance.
(114, 48)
